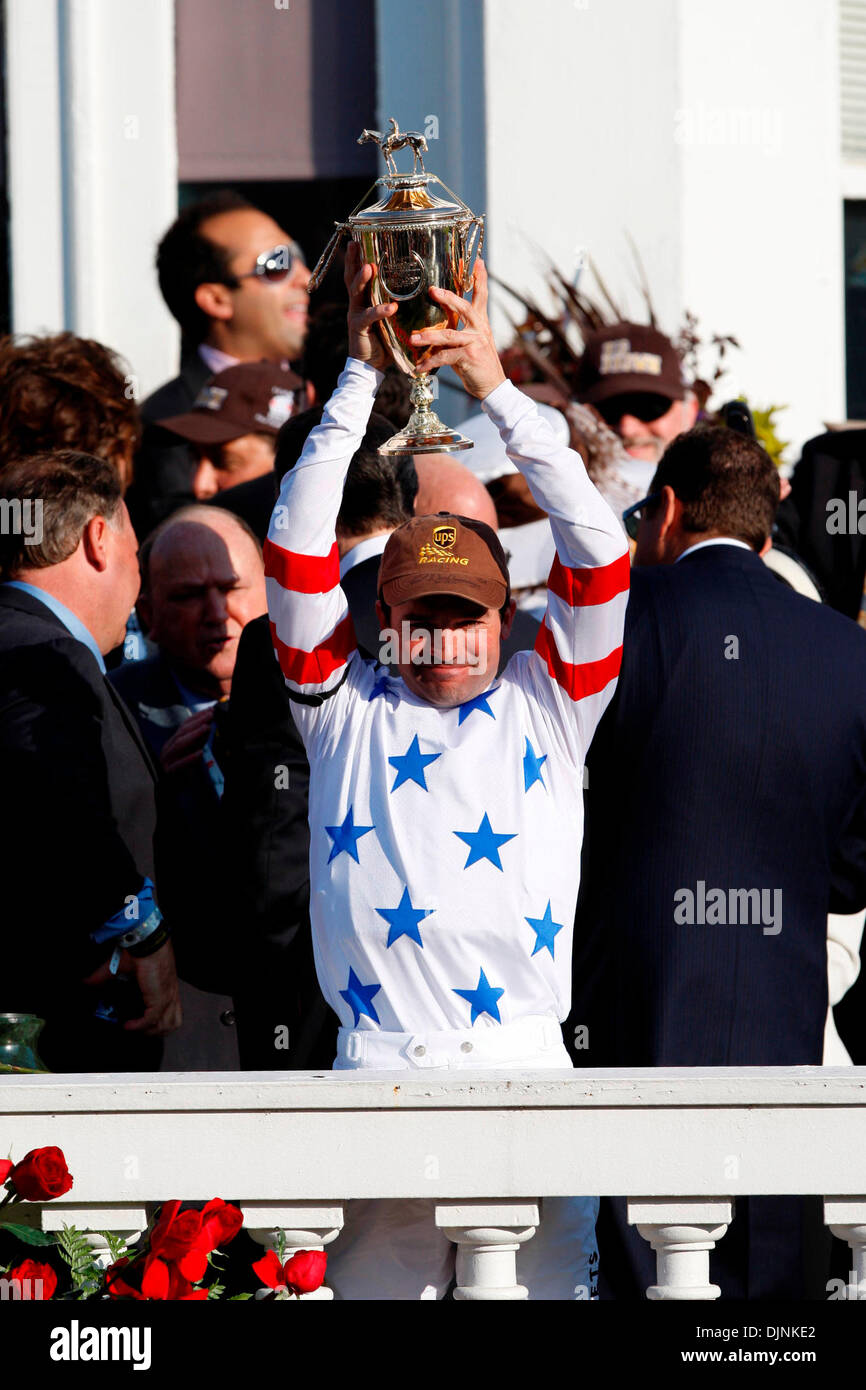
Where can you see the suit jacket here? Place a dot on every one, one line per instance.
(734, 756)
(165, 464)
(831, 466)
(190, 855)
(76, 835)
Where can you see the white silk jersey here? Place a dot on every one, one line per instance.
(445, 843)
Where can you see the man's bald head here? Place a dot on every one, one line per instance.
(446, 485)
(193, 528)
(202, 581)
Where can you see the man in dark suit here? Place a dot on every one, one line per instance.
(85, 947)
(726, 815)
(236, 283)
(202, 582)
(824, 518)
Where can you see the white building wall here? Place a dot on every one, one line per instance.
(708, 134)
(580, 107)
(93, 172)
(761, 231)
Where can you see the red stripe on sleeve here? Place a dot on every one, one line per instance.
(582, 587)
(313, 668)
(588, 678)
(302, 574)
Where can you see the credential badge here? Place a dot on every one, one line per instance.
(210, 398)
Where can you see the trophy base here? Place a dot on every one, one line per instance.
(425, 432)
(407, 441)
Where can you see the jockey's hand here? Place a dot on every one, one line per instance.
(365, 340)
(471, 350)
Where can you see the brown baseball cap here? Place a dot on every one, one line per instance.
(250, 398)
(626, 357)
(444, 554)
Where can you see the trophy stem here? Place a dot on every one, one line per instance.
(425, 433)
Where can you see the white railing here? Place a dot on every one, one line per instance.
(487, 1147)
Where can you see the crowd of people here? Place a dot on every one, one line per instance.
(617, 819)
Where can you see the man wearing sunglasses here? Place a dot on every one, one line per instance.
(236, 283)
(631, 374)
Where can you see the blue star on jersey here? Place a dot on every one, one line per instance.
(479, 703)
(358, 997)
(411, 764)
(484, 998)
(483, 843)
(545, 930)
(380, 688)
(403, 919)
(532, 767)
(346, 836)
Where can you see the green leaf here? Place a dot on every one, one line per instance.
(239, 1298)
(31, 1235)
(116, 1245)
(216, 1290)
(77, 1252)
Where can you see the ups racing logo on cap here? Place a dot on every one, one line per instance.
(436, 551)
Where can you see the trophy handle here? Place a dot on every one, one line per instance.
(330, 251)
(472, 250)
(324, 261)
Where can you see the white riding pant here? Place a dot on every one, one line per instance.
(391, 1248)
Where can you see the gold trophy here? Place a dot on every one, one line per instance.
(413, 239)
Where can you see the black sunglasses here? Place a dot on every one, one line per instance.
(632, 516)
(275, 265)
(643, 405)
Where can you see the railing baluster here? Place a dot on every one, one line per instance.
(682, 1232)
(846, 1217)
(488, 1236)
(305, 1225)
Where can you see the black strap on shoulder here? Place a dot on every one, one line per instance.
(317, 699)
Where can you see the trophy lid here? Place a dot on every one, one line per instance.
(409, 198)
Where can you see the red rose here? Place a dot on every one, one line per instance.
(270, 1271)
(165, 1281)
(29, 1272)
(117, 1287)
(5, 1169)
(41, 1175)
(305, 1271)
(177, 1237)
(220, 1222)
(187, 1237)
(159, 1280)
